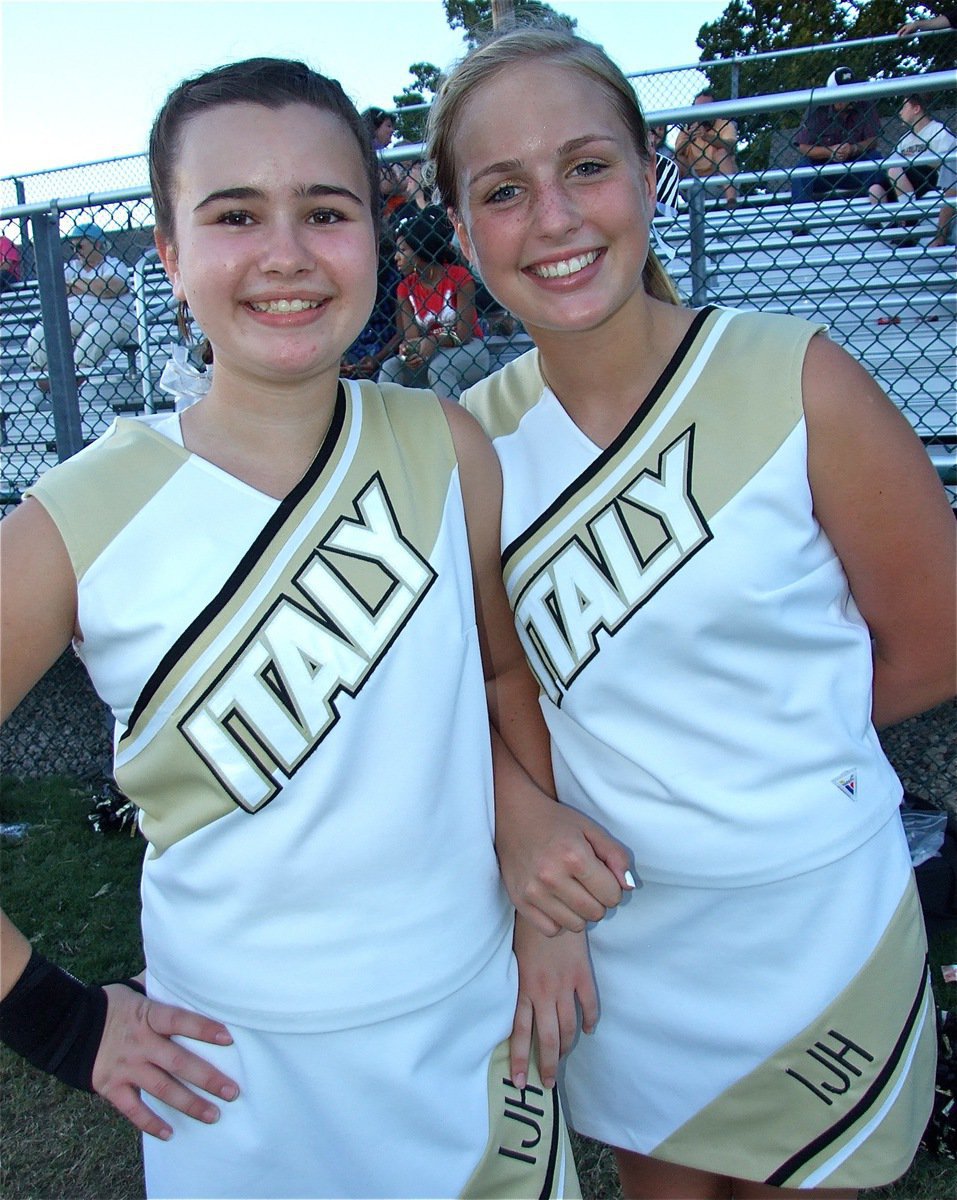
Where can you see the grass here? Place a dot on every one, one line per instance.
(76, 894)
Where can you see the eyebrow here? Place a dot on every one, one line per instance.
(313, 191)
(510, 165)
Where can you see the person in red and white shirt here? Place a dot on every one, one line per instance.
(442, 343)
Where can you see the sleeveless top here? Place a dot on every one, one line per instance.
(300, 712)
(705, 673)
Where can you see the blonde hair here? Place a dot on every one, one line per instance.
(522, 45)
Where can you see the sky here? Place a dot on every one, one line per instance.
(81, 81)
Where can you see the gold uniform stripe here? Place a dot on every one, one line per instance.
(529, 1152)
(863, 1069)
(707, 412)
(128, 467)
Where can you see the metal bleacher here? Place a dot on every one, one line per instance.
(125, 381)
(892, 305)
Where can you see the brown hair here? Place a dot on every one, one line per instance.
(272, 82)
(521, 45)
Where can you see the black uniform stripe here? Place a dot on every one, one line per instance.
(548, 1181)
(610, 451)
(246, 564)
(780, 1177)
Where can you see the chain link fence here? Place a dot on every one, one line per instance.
(89, 321)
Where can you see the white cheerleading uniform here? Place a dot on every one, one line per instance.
(301, 719)
(706, 679)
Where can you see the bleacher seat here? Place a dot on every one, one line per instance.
(893, 307)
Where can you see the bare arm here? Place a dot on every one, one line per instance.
(560, 868)
(37, 622)
(726, 133)
(405, 320)
(927, 23)
(465, 314)
(878, 499)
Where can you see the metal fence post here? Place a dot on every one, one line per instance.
(696, 237)
(27, 257)
(56, 334)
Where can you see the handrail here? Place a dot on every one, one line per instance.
(932, 82)
(792, 52)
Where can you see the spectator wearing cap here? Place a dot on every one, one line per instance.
(99, 302)
(441, 342)
(838, 131)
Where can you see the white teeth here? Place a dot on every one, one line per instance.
(568, 266)
(283, 306)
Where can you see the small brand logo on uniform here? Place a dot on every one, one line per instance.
(847, 783)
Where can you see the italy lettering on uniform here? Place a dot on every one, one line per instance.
(275, 700)
(608, 568)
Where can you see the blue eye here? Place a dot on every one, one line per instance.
(505, 191)
(588, 168)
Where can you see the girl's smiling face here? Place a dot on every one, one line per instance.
(273, 244)
(556, 203)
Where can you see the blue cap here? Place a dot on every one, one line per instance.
(88, 230)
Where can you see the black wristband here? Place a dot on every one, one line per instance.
(130, 983)
(54, 1021)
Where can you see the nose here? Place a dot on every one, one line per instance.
(287, 248)
(556, 210)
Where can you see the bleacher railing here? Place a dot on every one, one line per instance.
(883, 290)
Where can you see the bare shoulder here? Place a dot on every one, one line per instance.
(844, 406)
(479, 471)
(472, 446)
(878, 499)
(38, 615)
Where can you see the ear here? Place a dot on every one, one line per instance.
(649, 182)
(462, 233)
(170, 261)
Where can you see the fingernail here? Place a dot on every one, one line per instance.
(548, 1083)
(229, 1091)
(629, 879)
(211, 1115)
(165, 1134)
(520, 1081)
(224, 1038)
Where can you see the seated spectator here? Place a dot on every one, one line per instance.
(842, 131)
(99, 302)
(924, 136)
(378, 341)
(416, 193)
(10, 266)
(392, 185)
(706, 148)
(441, 342)
(658, 144)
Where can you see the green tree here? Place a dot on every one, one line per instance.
(410, 126)
(474, 17)
(748, 27)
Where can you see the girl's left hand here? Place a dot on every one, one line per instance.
(553, 974)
